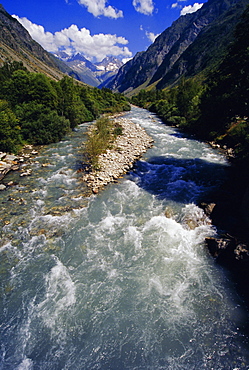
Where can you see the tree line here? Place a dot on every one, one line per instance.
(215, 108)
(37, 110)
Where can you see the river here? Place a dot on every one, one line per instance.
(119, 280)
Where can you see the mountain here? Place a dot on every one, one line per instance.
(192, 44)
(16, 44)
(93, 74)
(108, 69)
(208, 49)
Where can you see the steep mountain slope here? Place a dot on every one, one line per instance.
(205, 52)
(152, 65)
(17, 44)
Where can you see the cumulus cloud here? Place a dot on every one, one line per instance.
(151, 36)
(46, 39)
(99, 7)
(191, 8)
(143, 6)
(73, 40)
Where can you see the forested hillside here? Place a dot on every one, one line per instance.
(38, 110)
(216, 109)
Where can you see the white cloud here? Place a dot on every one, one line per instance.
(191, 8)
(74, 40)
(175, 5)
(143, 6)
(46, 39)
(99, 7)
(151, 36)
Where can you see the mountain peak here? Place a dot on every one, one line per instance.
(109, 64)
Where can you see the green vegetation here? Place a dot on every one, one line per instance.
(37, 110)
(100, 138)
(10, 138)
(215, 109)
(176, 106)
(226, 102)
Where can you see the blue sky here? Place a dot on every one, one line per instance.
(98, 28)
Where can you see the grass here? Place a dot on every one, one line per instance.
(100, 138)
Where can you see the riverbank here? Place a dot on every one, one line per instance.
(228, 210)
(115, 162)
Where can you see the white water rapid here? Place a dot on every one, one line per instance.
(120, 280)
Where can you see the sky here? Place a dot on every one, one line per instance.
(98, 28)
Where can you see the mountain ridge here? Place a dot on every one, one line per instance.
(17, 44)
(144, 69)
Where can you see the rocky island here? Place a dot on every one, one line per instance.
(116, 161)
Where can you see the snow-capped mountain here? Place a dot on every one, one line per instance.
(109, 64)
(91, 73)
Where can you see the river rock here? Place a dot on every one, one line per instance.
(11, 162)
(4, 165)
(26, 173)
(228, 249)
(2, 187)
(219, 246)
(28, 147)
(10, 158)
(208, 208)
(2, 155)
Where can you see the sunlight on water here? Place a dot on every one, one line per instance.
(120, 280)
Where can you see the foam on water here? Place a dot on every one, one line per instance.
(26, 364)
(59, 296)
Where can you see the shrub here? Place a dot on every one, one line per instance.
(10, 138)
(41, 125)
(100, 138)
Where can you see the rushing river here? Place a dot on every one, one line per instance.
(119, 280)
